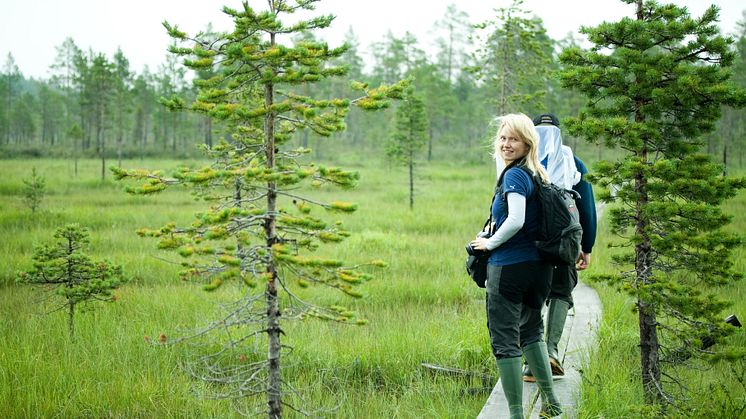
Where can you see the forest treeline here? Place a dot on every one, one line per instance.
(94, 105)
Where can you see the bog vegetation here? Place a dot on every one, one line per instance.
(58, 138)
(422, 307)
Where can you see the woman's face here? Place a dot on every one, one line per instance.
(511, 147)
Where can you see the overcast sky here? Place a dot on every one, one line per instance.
(31, 29)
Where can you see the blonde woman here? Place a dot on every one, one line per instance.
(518, 280)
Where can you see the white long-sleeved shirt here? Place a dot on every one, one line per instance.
(513, 223)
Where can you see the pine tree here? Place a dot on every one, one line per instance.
(100, 90)
(71, 274)
(655, 85)
(170, 84)
(52, 111)
(122, 98)
(144, 98)
(452, 47)
(96, 78)
(451, 57)
(11, 78)
(33, 191)
(259, 224)
(63, 79)
(76, 134)
(410, 135)
(23, 121)
(731, 128)
(513, 59)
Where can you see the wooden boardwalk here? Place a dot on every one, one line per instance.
(578, 339)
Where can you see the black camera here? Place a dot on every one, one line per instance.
(474, 252)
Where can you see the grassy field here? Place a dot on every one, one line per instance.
(421, 308)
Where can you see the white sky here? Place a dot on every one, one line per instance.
(31, 29)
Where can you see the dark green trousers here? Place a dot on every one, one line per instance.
(515, 294)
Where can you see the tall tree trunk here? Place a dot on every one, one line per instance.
(208, 132)
(120, 136)
(173, 132)
(504, 83)
(71, 319)
(44, 124)
(100, 142)
(119, 149)
(649, 345)
(450, 52)
(86, 140)
(430, 143)
(75, 153)
(274, 384)
(7, 111)
(725, 159)
(145, 131)
(411, 154)
(411, 179)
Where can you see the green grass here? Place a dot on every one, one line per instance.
(423, 307)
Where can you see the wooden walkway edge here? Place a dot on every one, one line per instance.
(578, 340)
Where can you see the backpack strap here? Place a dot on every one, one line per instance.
(489, 220)
(520, 164)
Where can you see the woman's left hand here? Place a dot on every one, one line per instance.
(480, 243)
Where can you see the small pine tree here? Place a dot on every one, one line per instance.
(410, 135)
(34, 190)
(71, 274)
(76, 134)
(514, 58)
(258, 224)
(655, 85)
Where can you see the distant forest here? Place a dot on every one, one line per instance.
(93, 105)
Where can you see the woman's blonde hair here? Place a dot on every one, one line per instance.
(522, 126)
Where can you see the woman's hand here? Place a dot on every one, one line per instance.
(583, 261)
(480, 243)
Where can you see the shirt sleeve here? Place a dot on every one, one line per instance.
(586, 210)
(517, 180)
(512, 224)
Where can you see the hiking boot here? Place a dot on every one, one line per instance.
(527, 375)
(510, 379)
(556, 316)
(537, 358)
(557, 369)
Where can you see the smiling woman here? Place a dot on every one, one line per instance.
(510, 146)
(518, 279)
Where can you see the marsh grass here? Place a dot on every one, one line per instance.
(421, 308)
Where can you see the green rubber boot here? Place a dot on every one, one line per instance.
(538, 361)
(556, 316)
(510, 378)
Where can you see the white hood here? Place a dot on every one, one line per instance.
(556, 158)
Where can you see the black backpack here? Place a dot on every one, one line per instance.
(559, 234)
